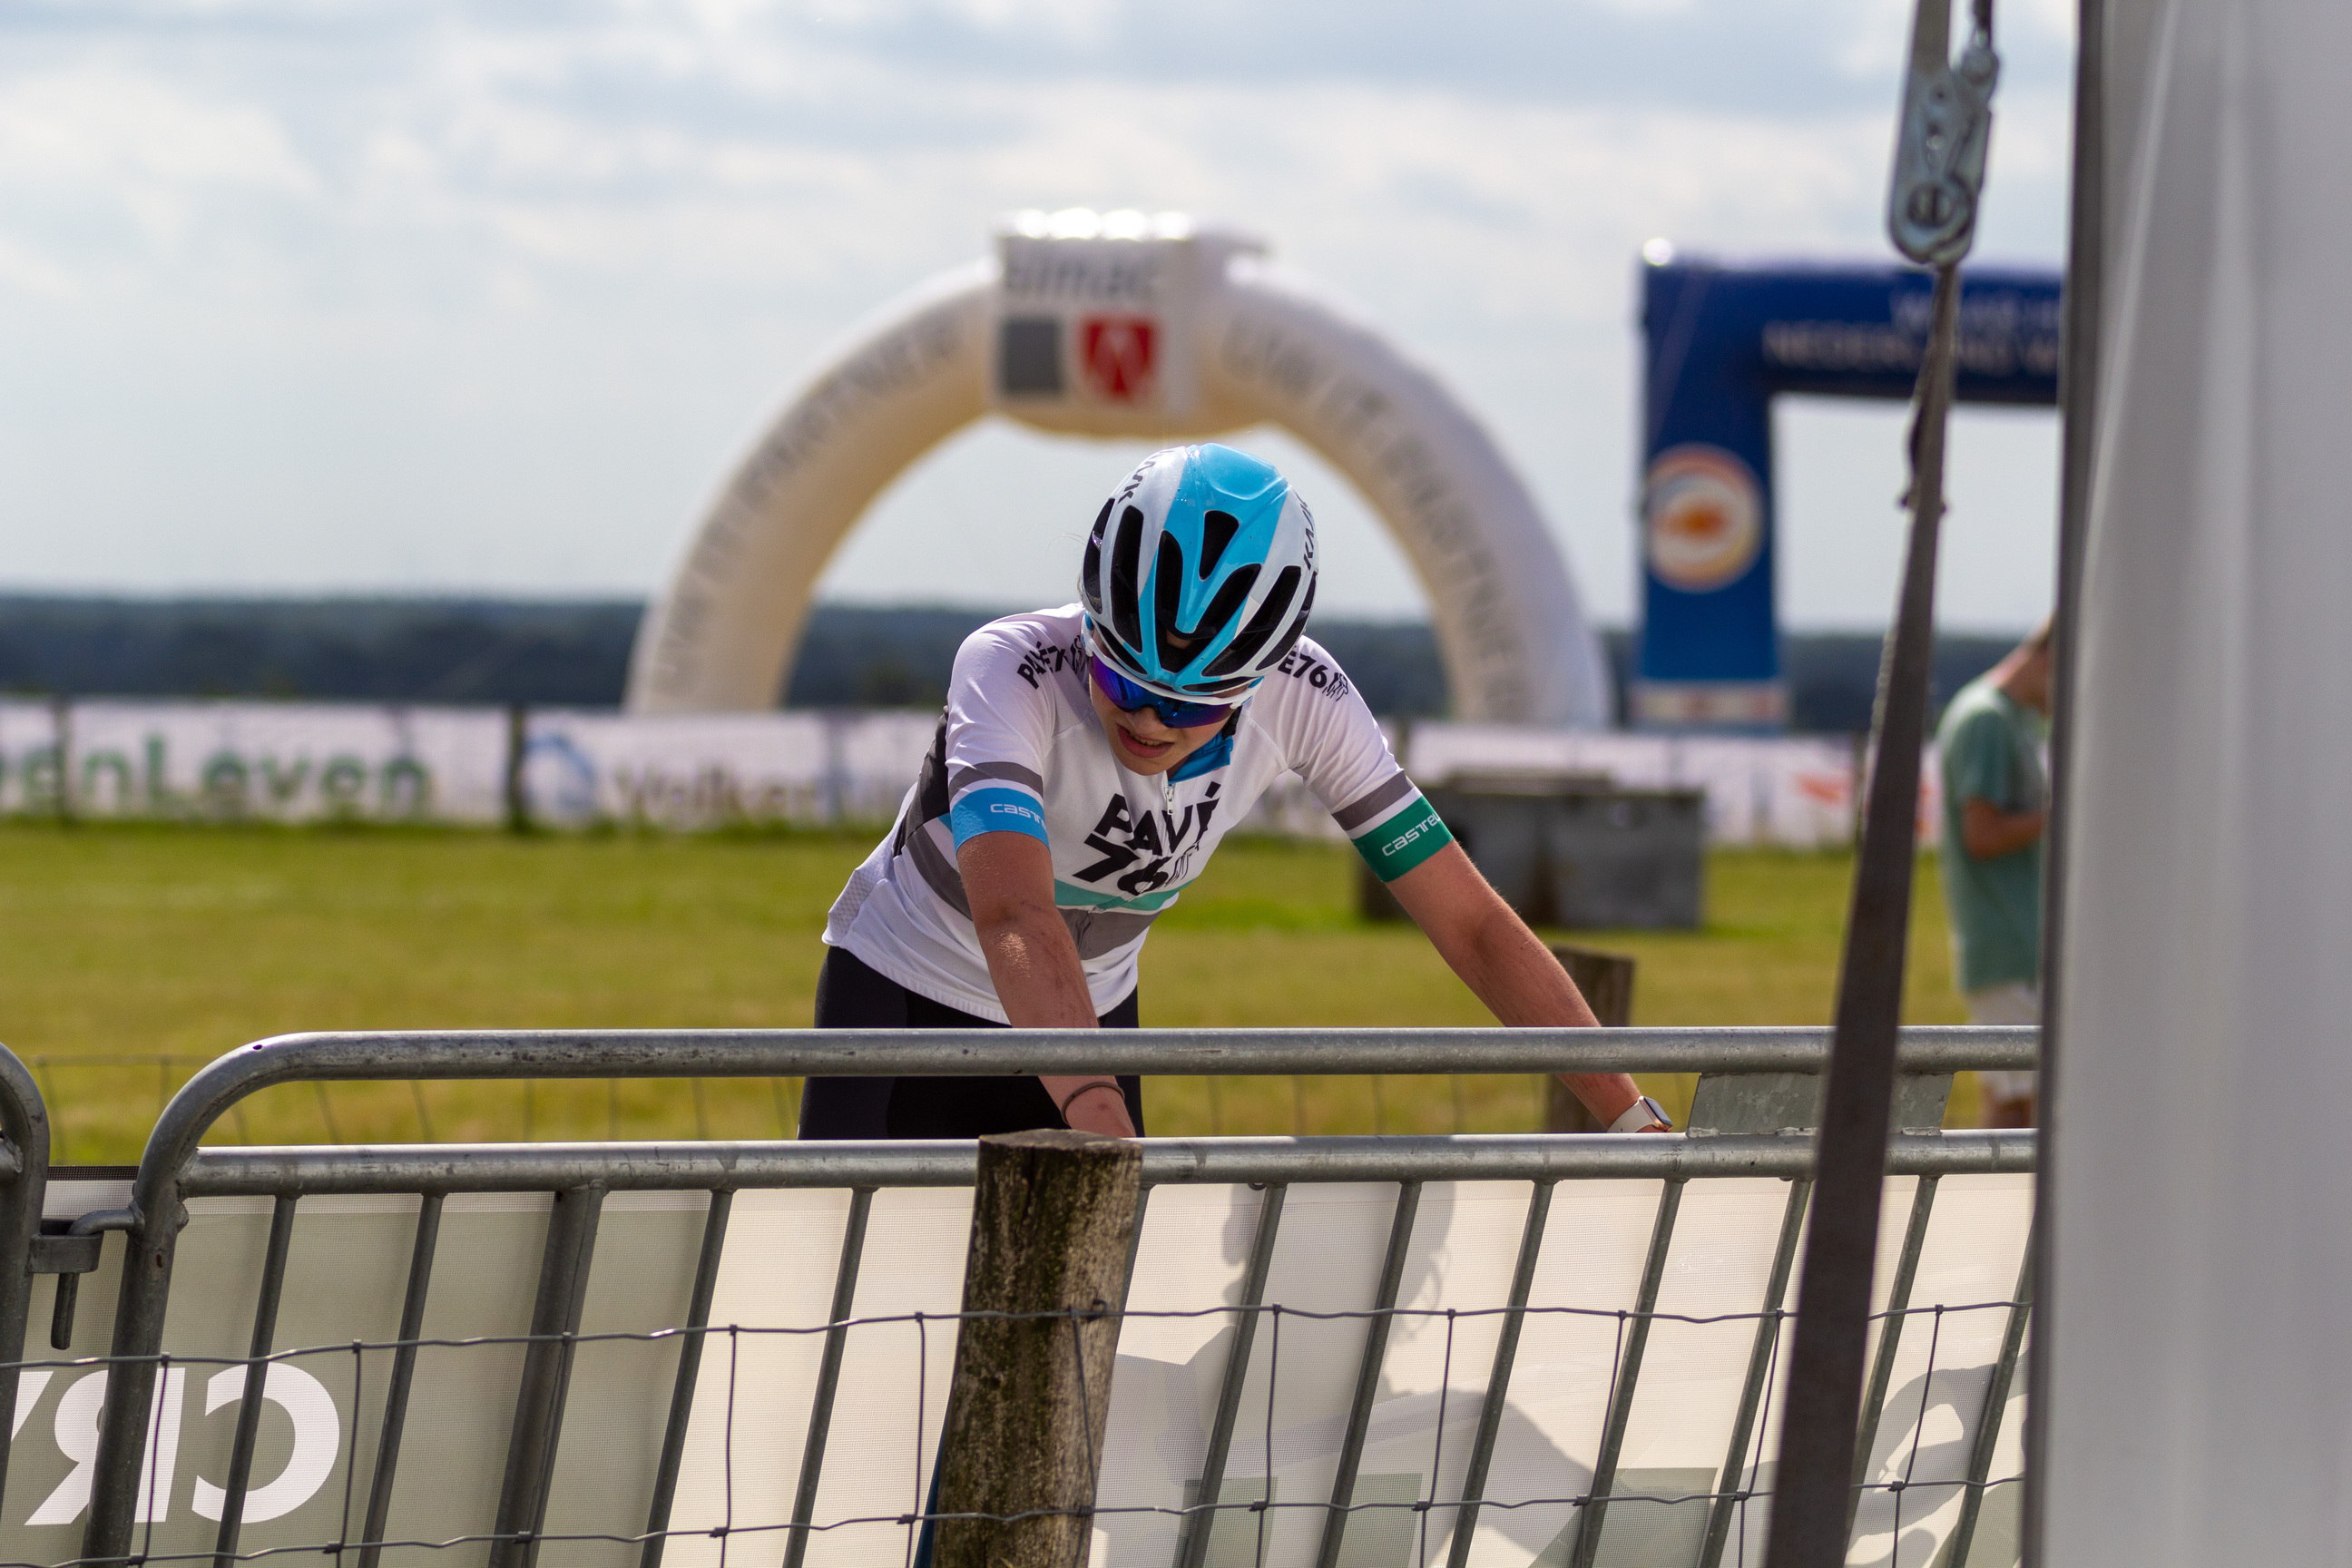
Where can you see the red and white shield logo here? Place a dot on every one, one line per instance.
(1119, 356)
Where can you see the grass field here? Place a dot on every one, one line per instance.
(133, 953)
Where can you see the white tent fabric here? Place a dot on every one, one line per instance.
(2201, 1404)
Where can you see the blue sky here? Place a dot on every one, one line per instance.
(476, 297)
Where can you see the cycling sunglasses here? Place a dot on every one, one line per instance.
(1127, 697)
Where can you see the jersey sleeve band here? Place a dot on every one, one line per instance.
(1353, 815)
(1405, 840)
(996, 809)
(958, 779)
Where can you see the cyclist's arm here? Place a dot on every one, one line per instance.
(1033, 964)
(1499, 958)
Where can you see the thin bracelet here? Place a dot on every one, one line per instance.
(1064, 1108)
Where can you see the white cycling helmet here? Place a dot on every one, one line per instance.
(1199, 574)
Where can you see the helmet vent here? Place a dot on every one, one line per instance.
(1290, 637)
(1179, 646)
(1217, 531)
(1243, 649)
(1118, 655)
(1090, 571)
(1126, 585)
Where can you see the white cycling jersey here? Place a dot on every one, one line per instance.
(1020, 750)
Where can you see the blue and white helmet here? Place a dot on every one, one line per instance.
(1199, 574)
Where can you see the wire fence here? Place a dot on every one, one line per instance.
(1349, 1352)
(1723, 1519)
(786, 1452)
(1432, 1517)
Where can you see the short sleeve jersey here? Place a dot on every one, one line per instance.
(1019, 748)
(1988, 749)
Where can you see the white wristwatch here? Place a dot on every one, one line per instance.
(1641, 1113)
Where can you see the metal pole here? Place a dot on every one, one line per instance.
(1629, 1373)
(1511, 1157)
(546, 1376)
(2078, 391)
(1367, 1373)
(518, 795)
(1890, 1338)
(690, 1366)
(428, 1054)
(27, 1125)
(248, 1409)
(403, 1375)
(1200, 1519)
(1498, 1382)
(1996, 1400)
(1731, 1491)
(828, 1376)
(1808, 1527)
(1932, 203)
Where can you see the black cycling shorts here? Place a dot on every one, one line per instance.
(852, 995)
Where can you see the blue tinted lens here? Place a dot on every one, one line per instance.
(1127, 697)
(1189, 715)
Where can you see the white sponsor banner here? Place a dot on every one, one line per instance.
(686, 772)
(675, 771)
(1797, 792)
(28, 756)
(880, 755)
(748, 1425)
(281, 760)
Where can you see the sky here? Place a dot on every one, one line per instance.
(414, 295)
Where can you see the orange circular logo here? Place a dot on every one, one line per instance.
(1703, 515)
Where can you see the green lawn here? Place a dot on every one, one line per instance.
(171, 945)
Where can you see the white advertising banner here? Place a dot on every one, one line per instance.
(750, 1421)
(1797, 792)
(290, 761)
(675, 770)
(686, 772)
(28, 756)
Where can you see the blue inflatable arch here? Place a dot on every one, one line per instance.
(1721, 341)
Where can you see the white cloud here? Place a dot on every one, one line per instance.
(503, 291)
(107, 127)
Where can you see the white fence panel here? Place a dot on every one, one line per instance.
(305, 761)
(282, 761)
(28, 756)
(1793, 791)
(675, 770)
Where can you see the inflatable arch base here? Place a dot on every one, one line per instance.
(1126, 326)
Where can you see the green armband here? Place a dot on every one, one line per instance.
(1405, 841)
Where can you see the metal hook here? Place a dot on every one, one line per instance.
(1939, 151)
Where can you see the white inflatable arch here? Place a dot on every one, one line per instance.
(1122, 325)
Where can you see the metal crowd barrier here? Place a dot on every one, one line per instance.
(1747, 1120)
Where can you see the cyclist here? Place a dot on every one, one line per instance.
(1089, 759)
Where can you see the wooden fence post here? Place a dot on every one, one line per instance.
(1027, 1411)
(517, 797)
(1607, 981)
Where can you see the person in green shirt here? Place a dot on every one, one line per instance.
(1996, 805)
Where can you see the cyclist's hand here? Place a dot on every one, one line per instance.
(1100, 1110)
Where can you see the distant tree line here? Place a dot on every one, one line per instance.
(576, 653)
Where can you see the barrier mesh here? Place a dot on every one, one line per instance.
(1432, 1516)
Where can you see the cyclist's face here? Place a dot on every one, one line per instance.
(1141, 743)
